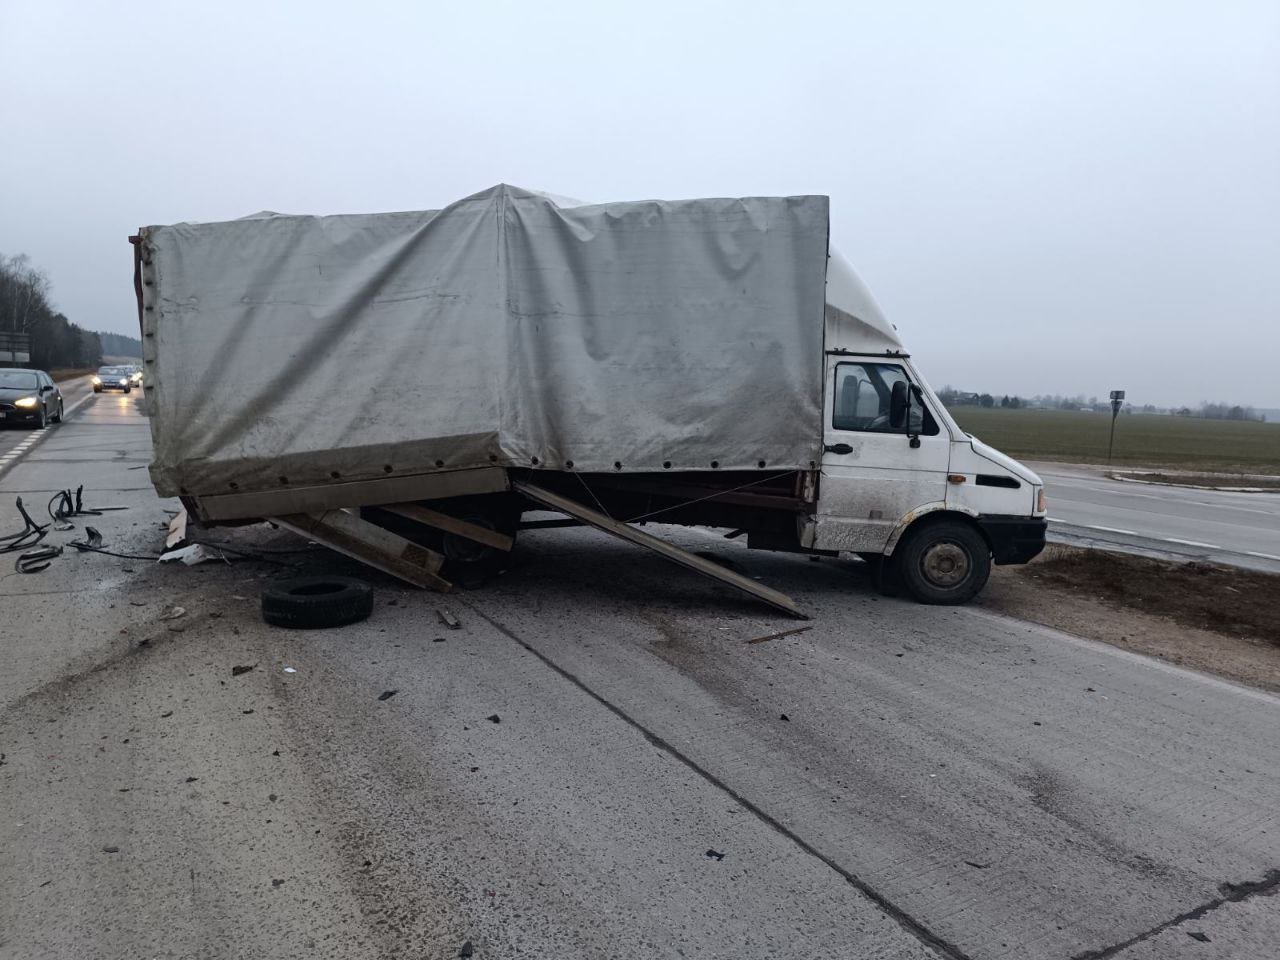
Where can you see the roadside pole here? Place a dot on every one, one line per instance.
(1117, 401)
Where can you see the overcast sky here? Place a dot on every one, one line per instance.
(1063, 199)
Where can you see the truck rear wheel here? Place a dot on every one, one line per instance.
(945, 562)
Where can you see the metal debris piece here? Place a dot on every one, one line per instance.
(779, 635)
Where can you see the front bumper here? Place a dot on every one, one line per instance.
(1014, 539)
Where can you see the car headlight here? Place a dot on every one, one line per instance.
(97, 380)
(26, 403)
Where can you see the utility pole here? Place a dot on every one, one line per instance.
(1117, 401)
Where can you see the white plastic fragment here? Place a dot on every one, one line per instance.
(190, 555)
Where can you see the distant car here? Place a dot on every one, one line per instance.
(137, 376)
(29, 397)
(113, 378)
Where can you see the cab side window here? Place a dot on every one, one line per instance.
(862, 393)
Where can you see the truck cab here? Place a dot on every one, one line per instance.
(900, 483)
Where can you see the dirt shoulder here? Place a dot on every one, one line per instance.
(1218, 619)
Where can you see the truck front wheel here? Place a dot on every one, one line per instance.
(946, 561)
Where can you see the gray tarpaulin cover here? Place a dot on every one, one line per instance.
(506, 327)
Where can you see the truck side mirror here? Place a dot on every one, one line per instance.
(899, 404)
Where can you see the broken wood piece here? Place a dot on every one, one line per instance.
(367, 542)
(442, 521)
(177, 530)
(668, 550)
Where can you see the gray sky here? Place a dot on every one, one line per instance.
(1043, 200)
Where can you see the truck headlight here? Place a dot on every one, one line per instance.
(1042, 502)
(27, 403)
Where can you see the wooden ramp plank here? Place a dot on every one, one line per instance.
(671, 552)
(367, 542)
(442, 521)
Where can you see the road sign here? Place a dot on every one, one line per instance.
(1117, 401)
(15, 348)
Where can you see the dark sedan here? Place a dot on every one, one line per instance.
(113, 378)
(29, 398)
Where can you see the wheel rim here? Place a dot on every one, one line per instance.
(945, 564)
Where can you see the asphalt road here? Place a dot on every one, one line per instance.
(1225, 526)
(16, 440)
(596, 763)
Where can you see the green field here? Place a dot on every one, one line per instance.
(1184, 443)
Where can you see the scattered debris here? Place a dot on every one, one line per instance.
(437, 639)
(272, 797)
(467, 949)
(387, 694)
(190, 555)
(1197, 935)
(192, 779)
(780, 634)
(177, 530)
(243, 669)
(166, 714)
(493, 718)
(784, 717)
(978, 866)
(33, 561)
(173, 613)
(448, 619)
(246, 712)
(110, 849)
(290, 670)
(276, 883)
(714, 855)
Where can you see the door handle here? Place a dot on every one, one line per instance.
(842, 449)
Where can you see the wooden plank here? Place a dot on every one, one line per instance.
(354, 493)
(671, 552)
(442, 521)
(367, 542)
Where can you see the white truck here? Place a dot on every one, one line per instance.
(408, 387)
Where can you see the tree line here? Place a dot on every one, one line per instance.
(25, 307)
(951, 397)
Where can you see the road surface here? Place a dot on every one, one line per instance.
(1224, 526)
(596, 763)
(16, 440)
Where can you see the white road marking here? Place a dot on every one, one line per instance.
(1087, 526)
(1195, 543)
(1261, 556)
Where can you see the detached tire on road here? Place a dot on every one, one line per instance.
(310, 603)
(943, 562)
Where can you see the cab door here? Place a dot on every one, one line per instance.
(873, 473)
